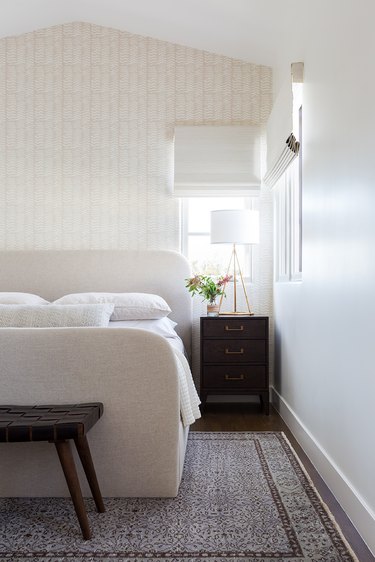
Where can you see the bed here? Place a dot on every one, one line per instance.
(139, 445)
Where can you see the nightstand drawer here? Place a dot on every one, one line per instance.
(229, 351)
(235, 328)
(234, 376)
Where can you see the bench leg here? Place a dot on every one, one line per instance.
(67, 462)
(88, 466)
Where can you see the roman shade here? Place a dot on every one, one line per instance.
(217, 161)
(288, 153)
(282, 145)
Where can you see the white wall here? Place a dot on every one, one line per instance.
(325, 325)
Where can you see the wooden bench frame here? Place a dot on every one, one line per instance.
(59, 424)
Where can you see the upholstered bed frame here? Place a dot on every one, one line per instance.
(139, 445)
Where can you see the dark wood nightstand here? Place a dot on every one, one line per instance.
(234, 357)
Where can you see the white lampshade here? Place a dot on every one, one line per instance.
(237, 226)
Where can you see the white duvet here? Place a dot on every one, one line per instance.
(189, 399)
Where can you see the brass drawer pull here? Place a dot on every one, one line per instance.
(228, 329)
(227, 352)
(229, 378)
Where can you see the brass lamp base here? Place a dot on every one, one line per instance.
(236, 313)
(236, 265)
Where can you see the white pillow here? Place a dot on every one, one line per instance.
(21, 298)
(54, 316)
(128, 306)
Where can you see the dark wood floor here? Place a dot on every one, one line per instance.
(248, 417)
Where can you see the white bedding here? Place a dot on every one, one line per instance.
(163, 327)
(189, 399)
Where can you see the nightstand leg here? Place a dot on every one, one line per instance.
(265, 401)
(203, 397)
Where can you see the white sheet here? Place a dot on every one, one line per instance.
(189, 399)
(163, 327)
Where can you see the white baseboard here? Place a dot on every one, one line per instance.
(361, 515)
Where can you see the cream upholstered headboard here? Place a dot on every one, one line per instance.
(52, 274)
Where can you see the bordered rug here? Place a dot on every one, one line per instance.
(243, 497)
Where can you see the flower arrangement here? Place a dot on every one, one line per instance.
(207, 286)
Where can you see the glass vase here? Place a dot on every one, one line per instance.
(213, 308)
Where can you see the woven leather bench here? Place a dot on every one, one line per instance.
(58, 424)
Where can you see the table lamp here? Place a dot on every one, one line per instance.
(239, 226)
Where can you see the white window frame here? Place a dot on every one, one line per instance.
(282, 230)
(295, 223)
(296, 189)
(288, 240)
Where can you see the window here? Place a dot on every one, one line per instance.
(288, 215)
(296, 190)
(288, 225)
(195, 238)
(282, 230)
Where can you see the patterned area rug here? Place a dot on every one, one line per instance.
(244, 497)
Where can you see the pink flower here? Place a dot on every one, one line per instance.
(224, 280)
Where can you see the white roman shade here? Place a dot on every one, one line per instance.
(216, 161)
(286, 157)
(282, 145)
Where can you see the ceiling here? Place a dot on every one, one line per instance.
(252, 30)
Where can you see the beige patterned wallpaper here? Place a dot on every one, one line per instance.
(86, 133)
